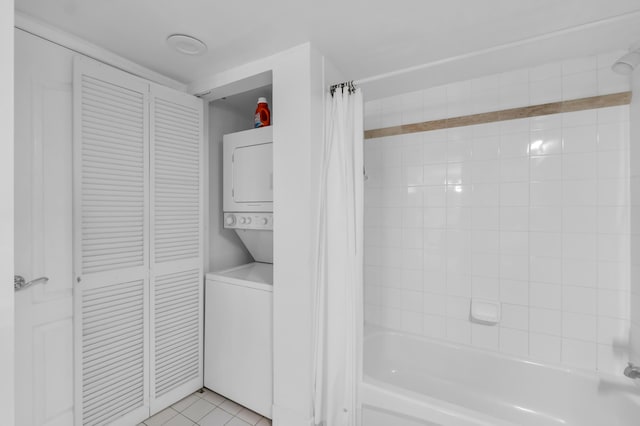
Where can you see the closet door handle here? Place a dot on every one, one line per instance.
(20, 283)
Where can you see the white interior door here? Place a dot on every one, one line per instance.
(43, 232)
(111, 245)
(176, 246)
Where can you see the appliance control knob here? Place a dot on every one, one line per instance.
(230, 219)
(264, 221)
(243, 220)
(248, 220)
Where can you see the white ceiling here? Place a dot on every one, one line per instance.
(362, 37)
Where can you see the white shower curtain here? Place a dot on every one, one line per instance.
(338, 293)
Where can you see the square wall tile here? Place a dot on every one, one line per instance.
(577, 272)
(546, 91)
(545, 219)
(546, 348)
(579, 165)
(434, 326)
(544, 194)
(578, 119)
(579, 326)
(579, 219)
(613, 165)
(458, 331)
(485, 336)
(547, 321)
(613, 136)
(543, 244)
(514, 194)
(411, 322)
(580, 85)
(514, 169)
(579, 354)
(514, 342)
(485, 288)
(516, 144)
(514, 292)
(579, 192)
(514, 218)
(545, 167)
(515, 317)
(545, 270)
(545, 295)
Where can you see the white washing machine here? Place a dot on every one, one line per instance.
(238, 335)
(239, 301)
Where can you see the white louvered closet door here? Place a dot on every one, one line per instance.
(176, 246)
(111, 234)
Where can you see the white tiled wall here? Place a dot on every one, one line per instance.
(533, 213)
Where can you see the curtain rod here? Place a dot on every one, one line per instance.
(481, 52)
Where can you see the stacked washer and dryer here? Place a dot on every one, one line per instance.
(238, 301)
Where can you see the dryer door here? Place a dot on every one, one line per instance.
(248, 171)
(253, 174)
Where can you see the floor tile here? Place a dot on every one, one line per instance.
(179, 420)
(231, 407)
(213, 397)
(249, 416)
(198, 409)
(237, 422)
(264, 422)
(184, 403)
(217, 417)
(161, 418)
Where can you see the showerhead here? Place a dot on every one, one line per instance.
(627, 63)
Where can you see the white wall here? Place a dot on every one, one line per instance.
(532, 213)
(635, 218)
(225, 248)
(6, 213)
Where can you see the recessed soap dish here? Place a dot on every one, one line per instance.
(485, 311)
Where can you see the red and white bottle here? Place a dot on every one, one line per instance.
(263, 115)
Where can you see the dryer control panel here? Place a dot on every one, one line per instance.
(244, 220)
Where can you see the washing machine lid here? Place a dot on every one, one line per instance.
(251, 273)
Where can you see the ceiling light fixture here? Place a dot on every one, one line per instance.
(187, 44)
(627, 63)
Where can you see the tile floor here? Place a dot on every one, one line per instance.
(206, 409)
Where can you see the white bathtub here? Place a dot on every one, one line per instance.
(412, 381)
